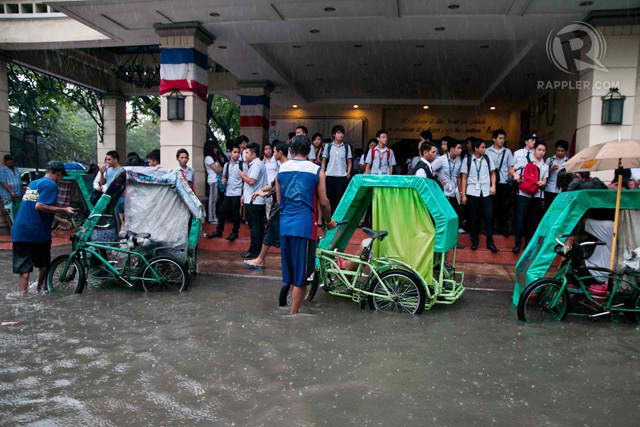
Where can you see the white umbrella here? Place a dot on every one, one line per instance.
(618, 154)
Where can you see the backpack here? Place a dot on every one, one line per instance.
(530, 177)
(346, 153)
(373, 152)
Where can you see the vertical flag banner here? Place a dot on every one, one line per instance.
(183, 69)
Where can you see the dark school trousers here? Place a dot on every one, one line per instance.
(502, 206)
(481, 206)
(336, 186)
(230, 211)
(528, 215)
(255, 221)
(456, 207)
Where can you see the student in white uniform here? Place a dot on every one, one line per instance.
(503, 200)
(530, 207)
(271, 165)
(555, 163)
(380, 159)
(478, 189)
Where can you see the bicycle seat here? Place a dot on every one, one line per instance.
(380, 235)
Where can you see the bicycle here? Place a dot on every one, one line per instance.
(386, 284)
(68, 273)
(550, 298)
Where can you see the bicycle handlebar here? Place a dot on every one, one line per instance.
(559, 236)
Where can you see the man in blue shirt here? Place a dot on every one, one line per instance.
(31, 232)
(10, 188)
(298, 184)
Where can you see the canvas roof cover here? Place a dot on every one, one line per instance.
(357, 198)
(561, 218)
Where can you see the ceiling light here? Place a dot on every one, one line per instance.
(585, 3)
(314, 31)
(329, 9)
(356, 106)
(425, 107)
(222, 46)
(454, 6)
(214, 14)
(294, 106)
(439, 28)
(492, 108)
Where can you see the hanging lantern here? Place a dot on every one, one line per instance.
(612, 107)
(175, 105)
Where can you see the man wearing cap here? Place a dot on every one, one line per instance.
(31, 232)
(10, 188)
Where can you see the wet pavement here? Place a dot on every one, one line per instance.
(224, 354)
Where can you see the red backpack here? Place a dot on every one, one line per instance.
(373, 155)
(530, 177)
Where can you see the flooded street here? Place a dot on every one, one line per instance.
(224, 354)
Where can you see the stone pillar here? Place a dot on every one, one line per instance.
(5, 145)
(622, 64)
(254, 110)
(190, 133)
(114, 114)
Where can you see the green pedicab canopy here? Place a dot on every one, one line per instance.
(561, 218)
(359, 195)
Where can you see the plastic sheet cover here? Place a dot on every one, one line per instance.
(561, 218)
(159, 211)
(411, 235)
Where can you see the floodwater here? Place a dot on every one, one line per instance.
(223, 354)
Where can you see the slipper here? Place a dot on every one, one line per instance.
(252, 267)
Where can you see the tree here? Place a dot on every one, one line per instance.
(223, 119)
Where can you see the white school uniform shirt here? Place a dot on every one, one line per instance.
(234, 181)
(379, 164)
(478, 176)
(502, 175)
(272, 168)
(212, 177)
(420, 172)
(552, 182)
(448, 170)
(259, 173)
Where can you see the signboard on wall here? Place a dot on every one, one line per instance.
(281, 126)
(457, 123)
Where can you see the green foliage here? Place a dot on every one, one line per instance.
(223, 119)
(144, 137)
(142, 109)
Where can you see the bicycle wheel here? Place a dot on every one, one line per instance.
(397, 291)
(62, 284)
(172, 274)
(534, 304)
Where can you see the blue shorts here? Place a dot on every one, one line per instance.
(298, 259)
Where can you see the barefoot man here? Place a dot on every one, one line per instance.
(298, 184)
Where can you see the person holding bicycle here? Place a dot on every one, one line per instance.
(31, 232)
(298, 183)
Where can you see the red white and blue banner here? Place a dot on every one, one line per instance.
(254, 111)
(184, 69)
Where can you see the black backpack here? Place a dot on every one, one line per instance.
(346, 153)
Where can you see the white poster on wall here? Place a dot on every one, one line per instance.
(281, 126)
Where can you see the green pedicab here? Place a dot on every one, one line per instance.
(420, 229)
(159, 249)
(570, 289)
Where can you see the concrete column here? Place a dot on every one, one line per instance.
(254, 110)
(5, 146)
(114, 113)
(622, 64)
(190, 133)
